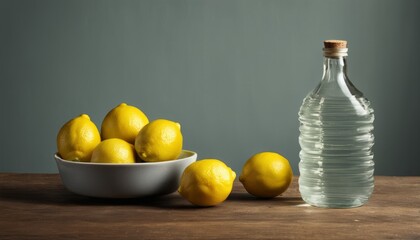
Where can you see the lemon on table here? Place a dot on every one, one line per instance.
(114, 150)
(207, 182)
(160, 140)
(266, 175)
(77, 138)
(124, 122)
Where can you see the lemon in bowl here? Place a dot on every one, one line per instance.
(160, 140)
(77, 139)
(123, 122)
(114, 150)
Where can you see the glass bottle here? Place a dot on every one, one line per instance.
(336, 123)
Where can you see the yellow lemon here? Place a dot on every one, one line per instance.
(77, 138)
(124, 122)
(266, 175)
(207, 182)
(160, 140)
(114, 150)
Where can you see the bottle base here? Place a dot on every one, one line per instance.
(323, 202)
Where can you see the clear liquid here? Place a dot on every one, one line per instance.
(336, 139)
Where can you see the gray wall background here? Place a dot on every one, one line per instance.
(232, 72)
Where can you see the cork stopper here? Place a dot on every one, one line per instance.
(335, 44)
(335, 48)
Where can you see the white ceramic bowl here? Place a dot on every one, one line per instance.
(109, 180)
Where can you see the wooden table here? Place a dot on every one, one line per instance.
(37, 206)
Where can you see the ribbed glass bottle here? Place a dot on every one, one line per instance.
(336, 123)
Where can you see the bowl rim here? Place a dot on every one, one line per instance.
(191, 155)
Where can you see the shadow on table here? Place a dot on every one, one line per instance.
(283, 200)
(58, 195)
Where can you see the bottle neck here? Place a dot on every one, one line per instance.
(335, 82)
(335, 69)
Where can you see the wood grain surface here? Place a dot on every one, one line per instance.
(37, 206)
